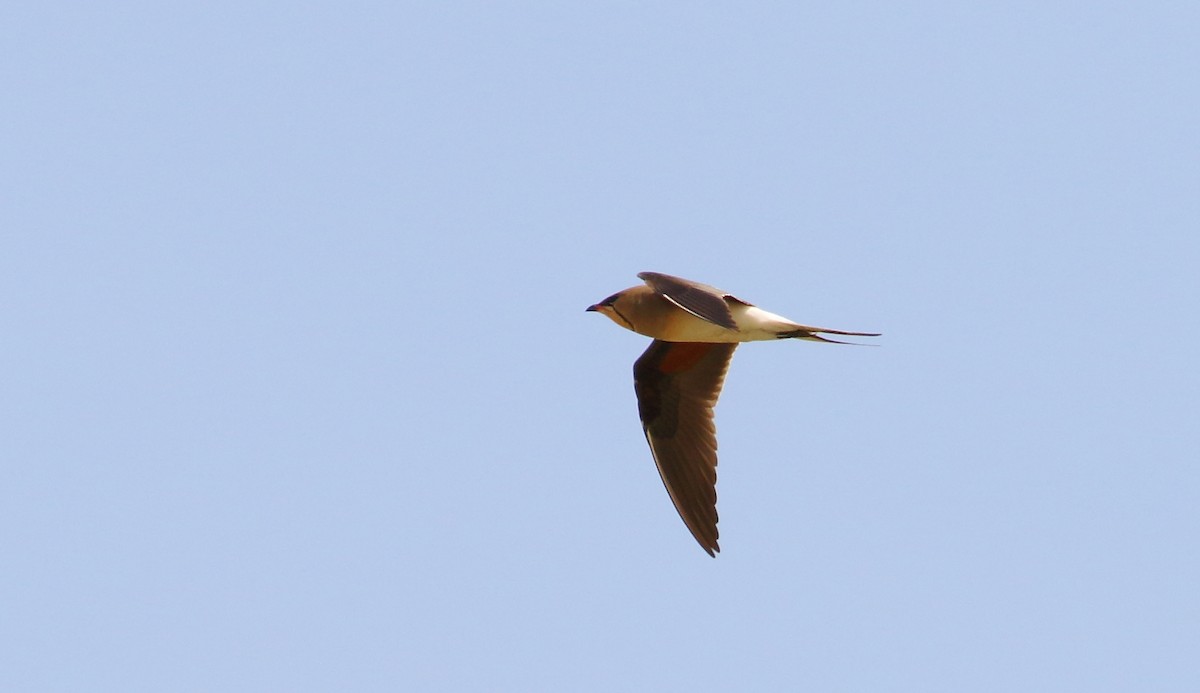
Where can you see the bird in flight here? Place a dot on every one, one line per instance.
(677, 380)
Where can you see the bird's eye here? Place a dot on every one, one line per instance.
(610, 300)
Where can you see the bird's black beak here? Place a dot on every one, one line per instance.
(592, 308)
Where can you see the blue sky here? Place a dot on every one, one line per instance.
(300, 393)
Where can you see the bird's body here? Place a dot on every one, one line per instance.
(659, 318)
(695, 328)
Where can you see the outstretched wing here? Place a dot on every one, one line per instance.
(677, 385)
(703, 301)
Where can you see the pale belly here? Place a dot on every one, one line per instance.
(754, 324)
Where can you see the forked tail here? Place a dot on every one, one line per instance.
(811, 334)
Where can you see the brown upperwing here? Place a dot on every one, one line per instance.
(677, 385)
(703, 301)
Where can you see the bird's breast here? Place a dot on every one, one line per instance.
(681, 326)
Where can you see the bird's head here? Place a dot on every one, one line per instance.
(611, 308)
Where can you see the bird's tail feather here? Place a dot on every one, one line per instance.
(811, 334)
